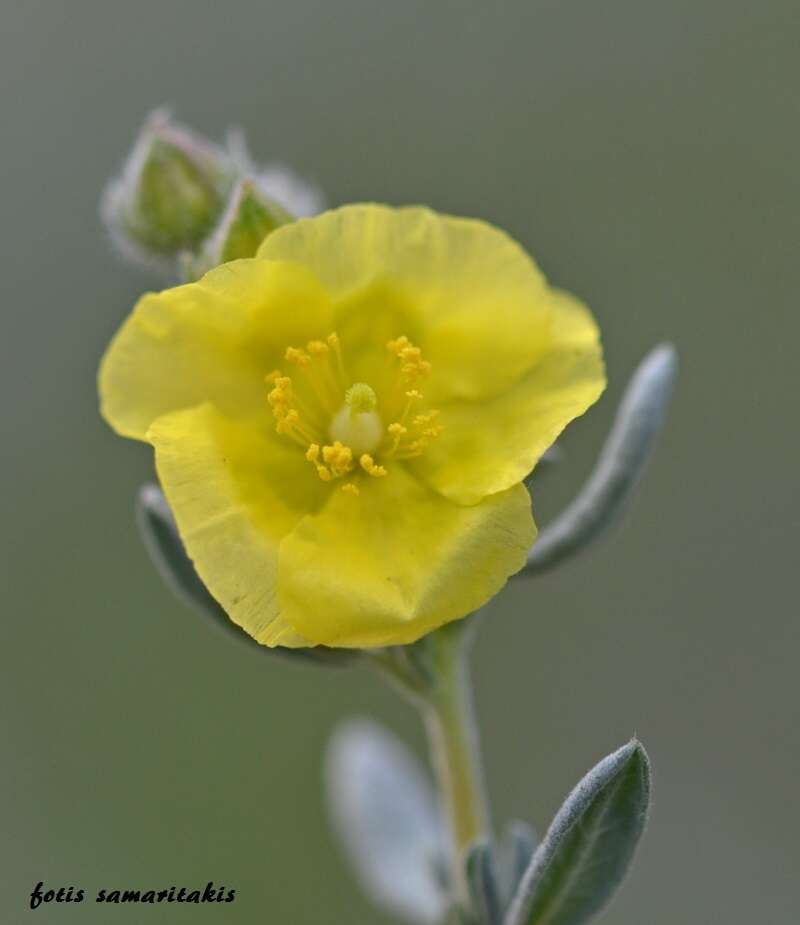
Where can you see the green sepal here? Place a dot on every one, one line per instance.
(247, 219)
(589, 845)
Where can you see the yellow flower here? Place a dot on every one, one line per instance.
(342, 423)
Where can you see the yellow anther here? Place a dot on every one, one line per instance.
(426, 418)
(271, 377)
(281, 388)
(281, 393)
(298, 357)
(398, 345)
(312, 455)
(333, 452)
(414, 395)
(338, 457)
(369, 466)
(333, 340)
(317, 348)
(396, 430)
(433, 432)
(286, 420)
(410, 357)
(351, 488)
(416, 367)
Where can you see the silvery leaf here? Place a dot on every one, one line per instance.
(386, 815)
(589, 845)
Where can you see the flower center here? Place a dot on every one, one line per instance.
(318, 405)
(357, 424)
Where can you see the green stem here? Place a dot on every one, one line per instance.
(434, 674)
(453, 736)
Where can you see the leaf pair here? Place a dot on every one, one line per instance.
(385, 813)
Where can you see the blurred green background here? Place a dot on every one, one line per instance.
(647, 154)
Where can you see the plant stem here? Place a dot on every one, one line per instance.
(453, 737)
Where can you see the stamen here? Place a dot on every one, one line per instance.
(368, 465)
(298, 357)
(328, 377)
(413, 449)
(313, 364)
(339, 458)
(395, 346)
(305, 411)
(397, 430)
(410, 356)
(335, 345)
(317, 348)
(312, 455)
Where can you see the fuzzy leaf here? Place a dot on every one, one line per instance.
(589, 845)
(638, 422)
(386, 815)
(483, 883)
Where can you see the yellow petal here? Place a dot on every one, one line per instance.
(235, 490)
(398, 560)
(464, 291)
(488, 446)
(213, 340)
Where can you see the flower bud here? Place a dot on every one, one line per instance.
(170, 193)
(248, 218)
(277, 182)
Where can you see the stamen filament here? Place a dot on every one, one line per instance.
(351, 414)
(308, 365)
(335, 345)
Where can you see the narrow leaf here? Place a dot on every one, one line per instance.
(639, 419)
(388, 820)
(483, 883)
(589, 845)
(519, 845)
